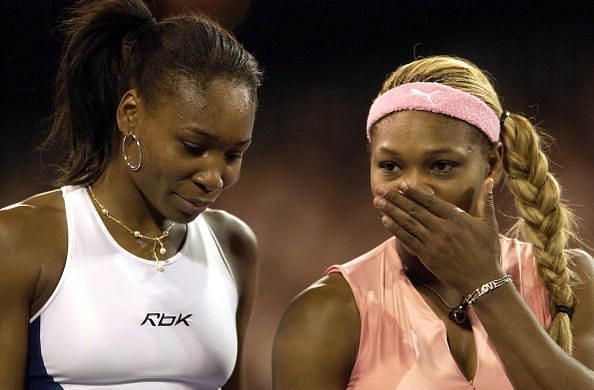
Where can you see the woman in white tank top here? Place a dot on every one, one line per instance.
(124, 278)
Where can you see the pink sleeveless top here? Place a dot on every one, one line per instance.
(403, 344)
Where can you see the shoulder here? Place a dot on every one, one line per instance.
(22, 223)
(233, 234)
(324, 314)
(328, 300)
(32, 236)
(318, 337)
(238, 242)
(229, 228)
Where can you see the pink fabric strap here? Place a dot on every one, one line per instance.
(438, 98)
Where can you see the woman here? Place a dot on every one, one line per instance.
(124, 278)
(446, 303)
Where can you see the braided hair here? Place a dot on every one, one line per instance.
(544, 220)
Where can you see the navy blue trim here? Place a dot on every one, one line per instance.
(37, 376)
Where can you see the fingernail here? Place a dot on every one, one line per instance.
(490, 183)
(379, 202)
(403, 186)
(381, 190)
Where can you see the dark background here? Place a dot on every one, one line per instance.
(304, 187)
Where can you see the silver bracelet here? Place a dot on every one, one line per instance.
(458, 314)
(486, 288)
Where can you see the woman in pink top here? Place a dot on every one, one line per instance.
(448, 303)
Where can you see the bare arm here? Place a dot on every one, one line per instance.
(531, 358)
(318, 338)
(17, 289)
(462, 250)
(240, 246)
(32, 255)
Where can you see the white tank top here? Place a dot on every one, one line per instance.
(115, 322)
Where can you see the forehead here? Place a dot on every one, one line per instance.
(214, 96)
(222, 107)
(404, 130)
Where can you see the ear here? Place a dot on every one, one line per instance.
(127, 112)
(495, 162)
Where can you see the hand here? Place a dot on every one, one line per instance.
(459, 248)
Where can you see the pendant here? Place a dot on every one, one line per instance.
(458, 315)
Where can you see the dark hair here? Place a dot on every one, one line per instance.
(112, 46)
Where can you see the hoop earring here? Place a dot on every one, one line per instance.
(132, 167)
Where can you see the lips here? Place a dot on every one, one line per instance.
(191, 206)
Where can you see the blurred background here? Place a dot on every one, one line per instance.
(304, 187)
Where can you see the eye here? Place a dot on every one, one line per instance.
(193, 148)
(234, 156)
(388, 166)
(443, 167)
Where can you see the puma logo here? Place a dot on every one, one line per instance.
(426, 95)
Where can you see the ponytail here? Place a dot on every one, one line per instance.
(89, 83)
(112, 46)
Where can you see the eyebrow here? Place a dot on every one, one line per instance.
(213, 137)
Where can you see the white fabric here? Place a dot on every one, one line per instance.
(90, 328)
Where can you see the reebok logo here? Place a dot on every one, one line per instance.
(161, 319)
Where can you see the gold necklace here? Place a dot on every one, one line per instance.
(137, 234)
(438, 295)
(457, 313)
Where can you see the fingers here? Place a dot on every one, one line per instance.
(410, 241)
(487, 208)
(428, 201)
(412, 215)
(400, 217)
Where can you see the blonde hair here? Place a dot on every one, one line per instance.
(544, 221)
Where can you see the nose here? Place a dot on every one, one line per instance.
(414, 178)
(411, 177)
(209, 181)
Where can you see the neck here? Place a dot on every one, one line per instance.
(118, 193)
(420, 276)
(414, 268)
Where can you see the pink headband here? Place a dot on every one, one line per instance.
(438, 98)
